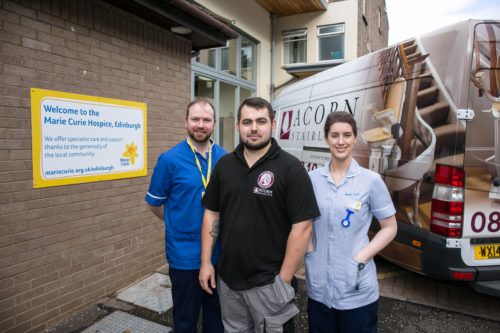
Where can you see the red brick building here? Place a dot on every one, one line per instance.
(67, 246)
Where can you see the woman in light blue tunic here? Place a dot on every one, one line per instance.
(341, 277)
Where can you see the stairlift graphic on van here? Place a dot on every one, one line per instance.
(428, 115)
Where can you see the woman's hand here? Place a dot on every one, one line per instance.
(387, 232)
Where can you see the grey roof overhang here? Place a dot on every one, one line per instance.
(207, 28)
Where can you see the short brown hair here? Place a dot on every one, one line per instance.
(199, 101)
(257, 103)
(340, 117)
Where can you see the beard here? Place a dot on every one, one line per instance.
(255, 146)
(199, 139)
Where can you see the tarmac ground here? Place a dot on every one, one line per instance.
(409, 303)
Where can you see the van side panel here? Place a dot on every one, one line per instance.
(413, 104)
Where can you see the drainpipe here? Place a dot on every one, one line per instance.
(273, 23)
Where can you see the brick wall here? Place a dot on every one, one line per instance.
(62, 248)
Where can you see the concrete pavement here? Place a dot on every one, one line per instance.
(400, 284)
(142, 307)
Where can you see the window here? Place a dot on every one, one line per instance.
(207, 57)
(237, 59)
(204, 87)
(294, 46)
(226, 98)
(228, 57)
(226, 76)
(331, 42)
(247, 59)
(227, 110)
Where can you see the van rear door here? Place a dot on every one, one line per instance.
(481, 229)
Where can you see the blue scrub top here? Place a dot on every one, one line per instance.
(331, 271)
(176, 183)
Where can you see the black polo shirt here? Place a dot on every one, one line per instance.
(257, 208)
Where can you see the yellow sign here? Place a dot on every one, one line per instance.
(80, 139)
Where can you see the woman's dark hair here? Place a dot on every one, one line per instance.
(340, 117)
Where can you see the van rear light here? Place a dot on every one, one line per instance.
(464, 276)
(448, 201)
(449, 175)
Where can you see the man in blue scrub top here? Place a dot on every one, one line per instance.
(177, 186)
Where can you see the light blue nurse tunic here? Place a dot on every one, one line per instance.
(341, 232)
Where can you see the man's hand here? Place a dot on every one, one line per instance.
(296, 246)
(207, 277)
(209, 234)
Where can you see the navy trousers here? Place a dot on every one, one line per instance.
(188, 298)
(325, 319)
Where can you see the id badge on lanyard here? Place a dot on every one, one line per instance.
(351, 206)
(209, 169)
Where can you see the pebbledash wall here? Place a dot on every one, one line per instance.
(62, 248)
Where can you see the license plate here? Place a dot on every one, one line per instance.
(491, 251)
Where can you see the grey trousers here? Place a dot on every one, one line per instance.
(260, 309)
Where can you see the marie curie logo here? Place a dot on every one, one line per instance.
(130, 154)
(286, 125)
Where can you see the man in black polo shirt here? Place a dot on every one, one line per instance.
(260, 202)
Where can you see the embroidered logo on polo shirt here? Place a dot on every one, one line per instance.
(265, 180)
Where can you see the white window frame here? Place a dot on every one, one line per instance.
(289, 34)
(329, 34)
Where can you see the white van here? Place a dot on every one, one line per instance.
(428, 115)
